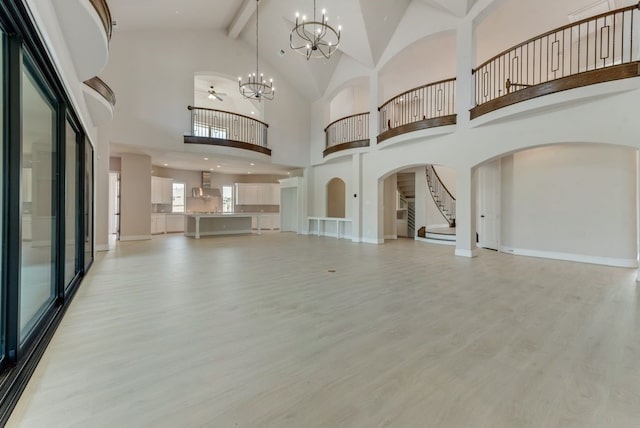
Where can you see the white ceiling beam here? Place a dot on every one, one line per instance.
(241, 18)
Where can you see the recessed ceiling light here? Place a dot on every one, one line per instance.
(253, 112)
(249, 172)
(218, 166)
(206, 158)
(252, 164)
(210, 169)
(166, 164)
(288, 173)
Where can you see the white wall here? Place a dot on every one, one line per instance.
(351, 100)
(571, 199)
(416, 65)
(518, 21)
(152, 73)
(322, 176)
(390, 206)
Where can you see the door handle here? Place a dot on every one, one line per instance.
(482, 216)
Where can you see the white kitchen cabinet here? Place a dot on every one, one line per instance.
(161, 190)
(268, 221)
(246, 193)
(257, 194)
(158, 223)
(175, 223)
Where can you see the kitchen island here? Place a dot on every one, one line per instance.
(211, 224)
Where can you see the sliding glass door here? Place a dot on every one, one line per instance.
(88, 204)
(3, 172)
(38, 187)
(72, 219)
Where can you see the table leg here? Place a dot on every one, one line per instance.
(258, 224)
(197, 227)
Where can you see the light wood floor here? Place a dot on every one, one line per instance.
(254, 331)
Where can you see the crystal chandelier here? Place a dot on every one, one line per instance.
(256, 87)
(314, 39)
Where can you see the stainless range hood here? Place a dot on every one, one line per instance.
(201, 192)
(205, 191)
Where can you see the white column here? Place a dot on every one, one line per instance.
(356, 198)
(306, 201)
(465, 60)
(421, 198)
(102, 196)
(465, 213)
(389, 202)
(373, 108)
(638, 212)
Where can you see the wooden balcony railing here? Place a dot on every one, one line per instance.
(423, 107)
(347, 133)
(602, 48)
(222, 128)
(104, 13)
(98, 85)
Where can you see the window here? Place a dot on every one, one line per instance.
(227, 199)
(177, 199)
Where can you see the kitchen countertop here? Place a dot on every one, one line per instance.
(227, 214)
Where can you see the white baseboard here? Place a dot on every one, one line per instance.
(569, 257)
(103, 247)
(390, 236)
(135, 238)
(436, 241)
(466, 253)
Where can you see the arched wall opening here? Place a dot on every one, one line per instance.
(336, 198)
(352, 98)
(225, 88)
(563, 201)
(427, 60)
(408, 204)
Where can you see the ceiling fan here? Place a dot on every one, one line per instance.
(213, 95)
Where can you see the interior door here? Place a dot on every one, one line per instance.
(489, 197)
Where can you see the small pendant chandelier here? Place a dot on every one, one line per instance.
(314, 39)
(256, 87)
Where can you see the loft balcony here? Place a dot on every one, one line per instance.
(86, 27)
(100, 99)
(226, 129)
(349, 132)
(424, 107)
(598, 49)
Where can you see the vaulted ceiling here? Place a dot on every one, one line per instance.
(368, 26)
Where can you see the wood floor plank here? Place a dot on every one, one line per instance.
(282, 330)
